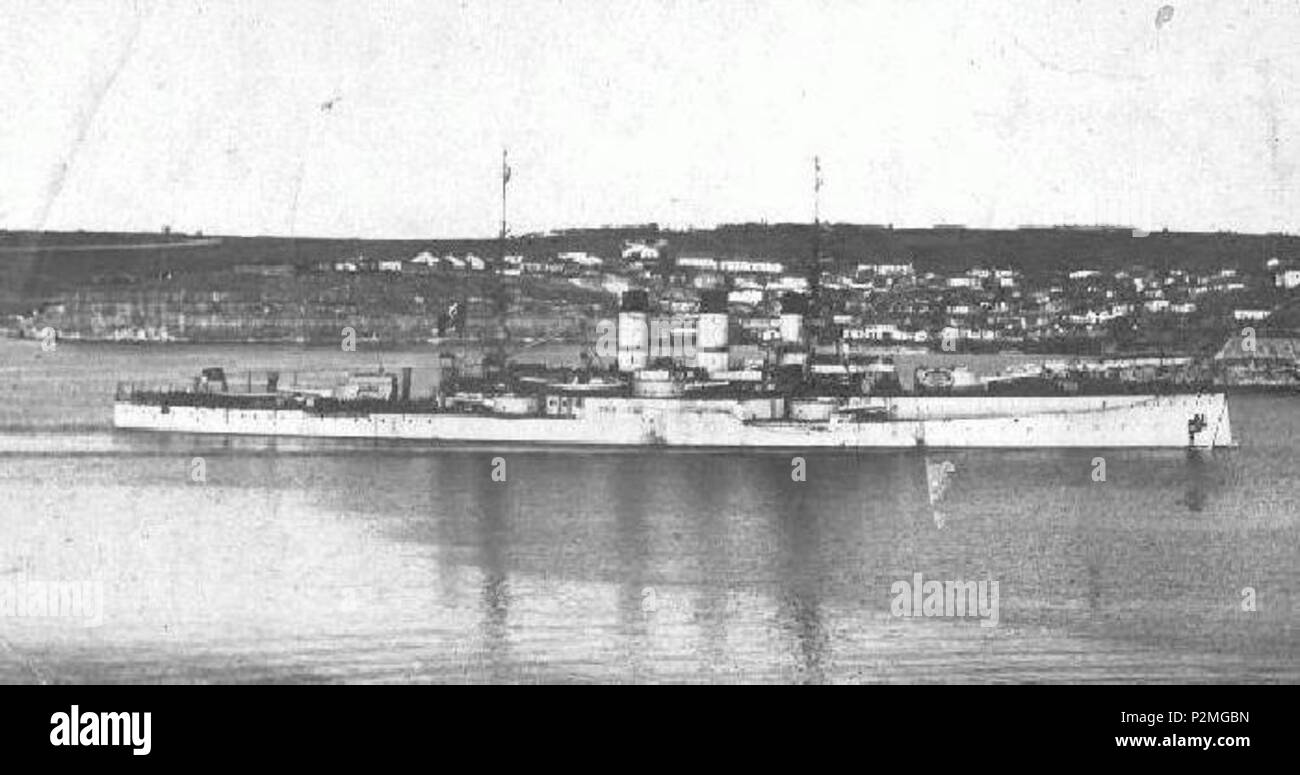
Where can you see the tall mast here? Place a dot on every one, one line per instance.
(815, 271)
(815, 266)
(505, 179)
(502, 293)
(817, 190)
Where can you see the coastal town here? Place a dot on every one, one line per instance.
(555, 288)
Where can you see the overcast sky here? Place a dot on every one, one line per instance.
(388, 119)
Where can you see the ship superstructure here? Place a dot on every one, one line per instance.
(681, 384)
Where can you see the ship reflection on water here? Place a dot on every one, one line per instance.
(312, 560)
(1197, 471)
(938, 475)
(700, 566)
(493, 521)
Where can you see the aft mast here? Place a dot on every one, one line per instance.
(505, 180)
(501, 296)
(814, 273)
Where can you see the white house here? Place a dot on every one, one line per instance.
(745, 297)
(1251, 314)
(706, 280)
(615, 284)
(886, 270)
(879, 332)
(1289, 279)
(697, 262)
(640, 251)
(789, 283)
(751, 267)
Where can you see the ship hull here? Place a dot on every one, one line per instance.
(1174, 421)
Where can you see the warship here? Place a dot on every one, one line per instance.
(681, 383)
(695, 392)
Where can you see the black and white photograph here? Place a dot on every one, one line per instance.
(649, 342)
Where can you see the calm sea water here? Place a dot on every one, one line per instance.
(317, 560)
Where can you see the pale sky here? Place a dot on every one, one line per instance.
(212, 115)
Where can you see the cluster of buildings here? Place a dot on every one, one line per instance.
(568, 263)
(889, 300)
(399, 294)
(1006, 307)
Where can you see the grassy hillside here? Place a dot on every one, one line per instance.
(34, 262)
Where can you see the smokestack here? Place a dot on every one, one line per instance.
(793, 309)
(634, 331)
(711, 332)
